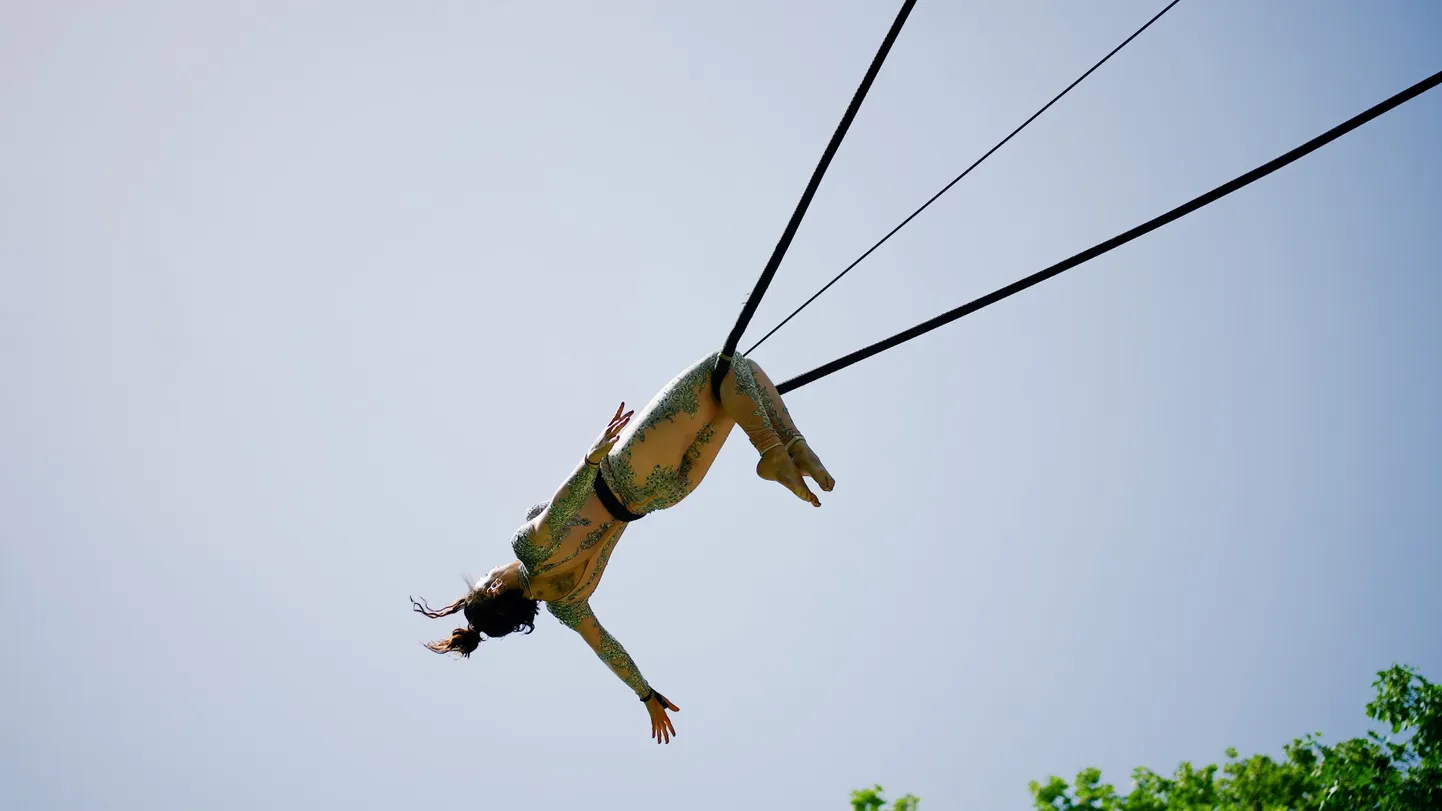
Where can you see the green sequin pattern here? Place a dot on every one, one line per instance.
(570, 614)
(529, 554)
(608, 648)
(620, 662)
(533, 547)
(597, 567)
(662, 486)
(589, 542)
(744, 377)
(559, 517)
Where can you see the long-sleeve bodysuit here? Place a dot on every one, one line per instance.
(659, 458)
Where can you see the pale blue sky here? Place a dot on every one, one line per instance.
(301, 308)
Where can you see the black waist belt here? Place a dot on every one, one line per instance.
(612, 504)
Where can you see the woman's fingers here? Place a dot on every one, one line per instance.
(614, 429)
(661, 727)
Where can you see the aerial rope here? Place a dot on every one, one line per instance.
(1121, 239)
(723, 364)
(967, 171)
(748, 310)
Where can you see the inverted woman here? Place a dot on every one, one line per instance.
(634, 468)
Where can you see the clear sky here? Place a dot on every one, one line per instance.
(302, 306)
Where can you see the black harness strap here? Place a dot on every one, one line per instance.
(612, 504)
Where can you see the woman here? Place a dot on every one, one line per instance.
(631, 470)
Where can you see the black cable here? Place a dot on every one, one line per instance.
(749, 308)
(1120, 239)
(958, 178)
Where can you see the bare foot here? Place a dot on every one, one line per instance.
(808, 463)
(776, 466)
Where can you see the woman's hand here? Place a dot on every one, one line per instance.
(661, 727)
(608, 439)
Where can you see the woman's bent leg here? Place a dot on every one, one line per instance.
(670, 444)
(746, 401)
(801, 453)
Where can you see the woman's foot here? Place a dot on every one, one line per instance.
(776, 466)
(808, 463)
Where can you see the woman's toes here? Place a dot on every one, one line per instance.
(779, 467)
(798, 486)
(810, 464)
(822, 477)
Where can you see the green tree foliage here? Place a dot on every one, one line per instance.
(1375, 773)
(870, 799)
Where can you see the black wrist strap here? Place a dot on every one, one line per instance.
(649, 695)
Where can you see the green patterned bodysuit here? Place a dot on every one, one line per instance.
(643, 488)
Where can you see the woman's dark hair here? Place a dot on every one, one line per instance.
(505, 613)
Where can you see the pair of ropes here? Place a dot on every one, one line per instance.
(754, 300)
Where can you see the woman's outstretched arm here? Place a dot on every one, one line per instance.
(579, 618)
(571, 497)
(556, 518)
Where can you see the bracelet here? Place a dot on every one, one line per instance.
(589, 463)
(649, 695)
